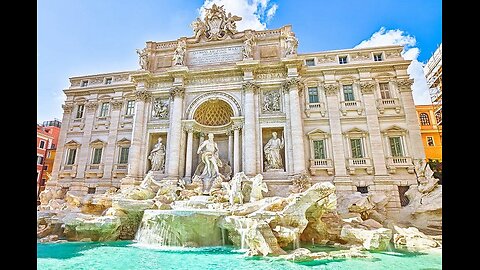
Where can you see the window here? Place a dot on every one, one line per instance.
(97, 155)
(123, 155)
(362, 190)
(348, 92)
(310, 62)
(84, 83)
(104, 109)
(80, 111)
(438, 116)
(384, 90)
(377, 57)
(130, 107)
(71, 156)
(42, 144)
(49, 154)
(424, 119)
(319, 149)
(313, 95)
(91, 190)
(356, 145)
(430, 141)
(45, 167)
(403, 199)
(39, 160)
(396, 146)
(108, 81)
(342, 59)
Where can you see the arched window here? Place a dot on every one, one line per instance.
(424, 119)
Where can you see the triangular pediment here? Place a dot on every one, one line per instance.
(98, 142)
(72, 143)
(394, 129)
(355, 130)
(124, 141)
(317, 131)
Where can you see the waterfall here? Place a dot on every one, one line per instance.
(156, 233)
(296, 241)
(223, 236)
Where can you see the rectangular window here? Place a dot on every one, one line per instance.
(45, 167)
(130, 107)
(49, 154)
(80, 111)
(396, 146)
(356, 145)
(310, 62)
(91, 190)
(108, 81)
(84, 83)
(384, 90)
(377, 57)
(97, 155)
(342, 59)
(313, 95)
(430, 141)
(319, 149)
(42, 144)
(71, 156)
(348, 92)
(104, 109)
(39, 160)
(123, 155)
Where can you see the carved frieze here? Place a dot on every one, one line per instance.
(121, 78)
(269, 76)
(392, 54)
(326, 59)
(271, 101)
(160, 108)
(367, 87)
(331, 89)
(213, 80)
(360, 56)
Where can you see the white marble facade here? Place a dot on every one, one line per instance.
(353, 124)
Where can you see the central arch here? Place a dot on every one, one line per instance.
(214, 96)
(213, 112)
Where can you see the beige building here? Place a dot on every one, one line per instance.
(344, 116)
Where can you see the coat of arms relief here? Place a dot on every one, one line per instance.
(217, 25)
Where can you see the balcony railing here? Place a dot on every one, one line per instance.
(120, 170)
(359, 163)
(400, 162)
(102, 121)
(388, 103)
(77, 122)
(67, 171)
(94, 170)
(321, 164)
(318, 107)
(354, 105)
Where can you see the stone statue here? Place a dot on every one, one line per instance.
(143, 58)
(160, 108)
(248, 47)
(291, 43)
(199, 28)
(179, 54)
(273, 159)
(234, 187)
(257, 187)
(230, 25)
(157, 156)
(209, 157)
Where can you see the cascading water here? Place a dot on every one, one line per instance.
(156, 233)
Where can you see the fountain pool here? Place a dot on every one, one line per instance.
(129, 255)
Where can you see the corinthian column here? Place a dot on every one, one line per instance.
(292, 87)
(175, 132)
(134, 155)
(250, 138)
(189, 154)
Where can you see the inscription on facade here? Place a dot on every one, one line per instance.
(214, 56)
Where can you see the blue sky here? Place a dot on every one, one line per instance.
(81, 37)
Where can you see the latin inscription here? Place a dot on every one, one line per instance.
(214, 56)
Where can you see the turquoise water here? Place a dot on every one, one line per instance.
(125, 255)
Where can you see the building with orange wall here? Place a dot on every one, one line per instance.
(431, 132)
(47, 141)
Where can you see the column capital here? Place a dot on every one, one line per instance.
(331, 89)
(405, 85)
(367, 87)
(91, 105)
(292, 83)
(250, 87)
(188, 127)
(67, 108)
(177, 91)
(117, 104)
(142, 95)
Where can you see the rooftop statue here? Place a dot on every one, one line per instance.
(216, 25)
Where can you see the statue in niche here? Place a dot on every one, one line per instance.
(208, 151)
(160, 108)
(291, 44)
(157, 156)
(179, 54)
(273, 159)
(248, 46)
(143, 58)
(199, 28)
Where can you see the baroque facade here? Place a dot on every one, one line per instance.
(344, 116)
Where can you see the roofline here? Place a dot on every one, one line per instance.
(355, 50)
(102, 74)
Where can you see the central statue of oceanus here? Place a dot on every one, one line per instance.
(208, 151)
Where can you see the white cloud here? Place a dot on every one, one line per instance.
(255, 13)
(385, 37)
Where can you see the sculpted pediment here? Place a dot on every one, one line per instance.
(216, 25)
